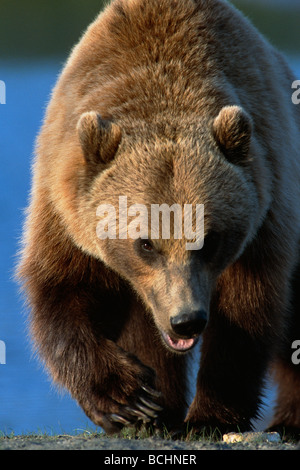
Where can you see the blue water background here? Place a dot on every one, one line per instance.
(28, 400)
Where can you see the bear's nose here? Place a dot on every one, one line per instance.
(187, 324)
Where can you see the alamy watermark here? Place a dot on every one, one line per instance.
(2, 352)
(296, 94)
(296, 354)
(2, 92)
(133, 222)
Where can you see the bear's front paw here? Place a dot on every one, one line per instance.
(142, 408)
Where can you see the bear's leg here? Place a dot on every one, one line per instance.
(229, 381)
(79, 309)
(75, 326)
(287, 374)
(246, 321)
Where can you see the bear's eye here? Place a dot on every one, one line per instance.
(211, 246)
(147, 246)
(146, 249)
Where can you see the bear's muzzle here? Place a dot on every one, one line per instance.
(187, 327)
(189, 324)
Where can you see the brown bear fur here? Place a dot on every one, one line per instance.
(168, 101)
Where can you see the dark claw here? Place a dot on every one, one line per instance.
(147, 411)
(144, 409)
(151, 391)
(150, 404)
(138, 413)
(119, 419)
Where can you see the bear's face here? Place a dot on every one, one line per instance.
(152, 204)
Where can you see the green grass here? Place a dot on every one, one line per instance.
(129, 433)
(187, 436)
(49, 433)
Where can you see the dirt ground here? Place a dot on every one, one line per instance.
(103, 443)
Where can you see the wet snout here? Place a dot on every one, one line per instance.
(187, 324)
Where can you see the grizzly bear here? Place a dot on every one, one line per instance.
(168, 102)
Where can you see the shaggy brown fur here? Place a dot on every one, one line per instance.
(168, 101)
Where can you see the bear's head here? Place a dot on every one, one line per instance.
(169, 215)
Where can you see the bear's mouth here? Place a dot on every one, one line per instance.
(179, 345)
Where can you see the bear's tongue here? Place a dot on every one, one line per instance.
(179, 344)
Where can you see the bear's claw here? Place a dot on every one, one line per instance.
(147, 411)
(119, 419)
(141, 409)
(151, 391)
(150, 404)
(137, 414)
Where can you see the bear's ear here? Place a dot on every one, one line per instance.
(232, 130)
(99, 139)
